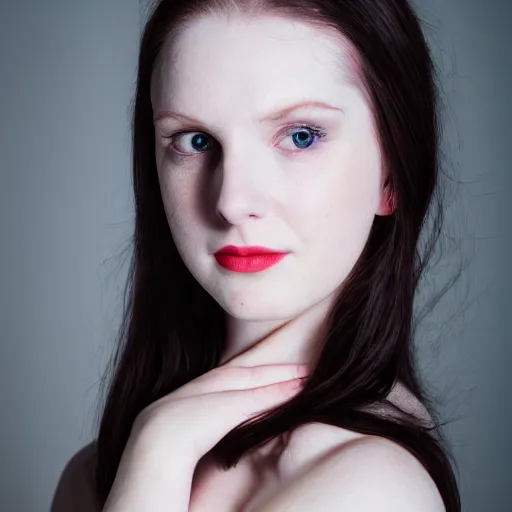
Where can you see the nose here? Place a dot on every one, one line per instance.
(241, 188)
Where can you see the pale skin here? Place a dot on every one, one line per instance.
(243, 72)
(256, 187)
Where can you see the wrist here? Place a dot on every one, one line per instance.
(152, 476)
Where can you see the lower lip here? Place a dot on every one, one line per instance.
(254, 263)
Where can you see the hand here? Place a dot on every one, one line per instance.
(202, 411)
(170, 435)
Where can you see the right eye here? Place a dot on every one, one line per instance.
(197, 140)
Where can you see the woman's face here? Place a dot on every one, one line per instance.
(246, 179)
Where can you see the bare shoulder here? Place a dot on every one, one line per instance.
(360, 472)
(337, 469)
(312, 441)
(309, 444)
(74, 490)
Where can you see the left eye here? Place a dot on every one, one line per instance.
(303, 137)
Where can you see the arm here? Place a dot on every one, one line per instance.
(366, 474)
(150, 479)
(74, 491)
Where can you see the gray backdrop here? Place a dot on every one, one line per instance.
(66, 83)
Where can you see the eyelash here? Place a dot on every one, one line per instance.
(317, 131)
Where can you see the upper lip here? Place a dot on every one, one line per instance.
(249, 250)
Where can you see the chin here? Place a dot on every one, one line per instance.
(273, 307)
(257, 308)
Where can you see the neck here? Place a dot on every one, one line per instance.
(290, 341)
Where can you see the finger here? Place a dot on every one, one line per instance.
(264, 375)
(239, 378)
(260, 399)
(207, 418)
(232, 407)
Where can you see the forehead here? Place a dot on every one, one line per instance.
(235, 62)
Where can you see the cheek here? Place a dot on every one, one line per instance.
(338, 208)
(178, 200)
(348, 200)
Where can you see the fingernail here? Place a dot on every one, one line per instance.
(296, 384)
(299, 383)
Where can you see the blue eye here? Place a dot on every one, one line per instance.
(199, 140)
(306, 140)
(303, 136)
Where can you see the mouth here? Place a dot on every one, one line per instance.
(250, 250)
(248, 259)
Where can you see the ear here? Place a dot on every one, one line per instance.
(388, 201)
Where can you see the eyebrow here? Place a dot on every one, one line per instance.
(272, 117)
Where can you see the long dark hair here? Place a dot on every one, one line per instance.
(172, 329)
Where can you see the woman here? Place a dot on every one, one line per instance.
(309, 128)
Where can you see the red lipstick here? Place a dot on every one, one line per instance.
(247, 259)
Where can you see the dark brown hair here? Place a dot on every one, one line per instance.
(173, 331)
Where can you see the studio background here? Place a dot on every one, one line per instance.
(67, 79)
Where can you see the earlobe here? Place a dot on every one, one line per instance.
(388, 202)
